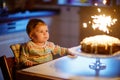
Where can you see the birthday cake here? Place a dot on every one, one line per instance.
(100, 44)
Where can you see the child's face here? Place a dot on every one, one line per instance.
(40, 34)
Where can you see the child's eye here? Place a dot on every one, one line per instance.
(40, 31)
(43, 31)
(46, 30)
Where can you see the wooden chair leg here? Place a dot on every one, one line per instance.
(5, 68)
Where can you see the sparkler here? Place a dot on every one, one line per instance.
(101, 22)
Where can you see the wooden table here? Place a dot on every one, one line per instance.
(79, 68)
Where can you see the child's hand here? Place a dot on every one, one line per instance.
(29, 63)
(72, 55)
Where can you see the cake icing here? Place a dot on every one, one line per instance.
(93, 44)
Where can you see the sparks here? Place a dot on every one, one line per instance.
(101, 22)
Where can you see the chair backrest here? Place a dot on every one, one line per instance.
(7, 67)
(16, 48)
(16, 51)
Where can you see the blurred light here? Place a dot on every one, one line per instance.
(104, 2)
(99, 10)
(85, 25)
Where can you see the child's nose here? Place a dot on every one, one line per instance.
(45, 33)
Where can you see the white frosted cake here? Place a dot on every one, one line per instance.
(100, 44)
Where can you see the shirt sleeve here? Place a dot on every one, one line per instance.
(60, 50)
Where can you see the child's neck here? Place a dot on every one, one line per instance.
(41, 44)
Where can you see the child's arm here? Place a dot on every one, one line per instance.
(61, 51)
(24, 56)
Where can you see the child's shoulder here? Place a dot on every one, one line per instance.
(27, 43)
(50, 44)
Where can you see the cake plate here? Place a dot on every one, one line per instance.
(97, 65)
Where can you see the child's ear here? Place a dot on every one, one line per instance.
(30, 35)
